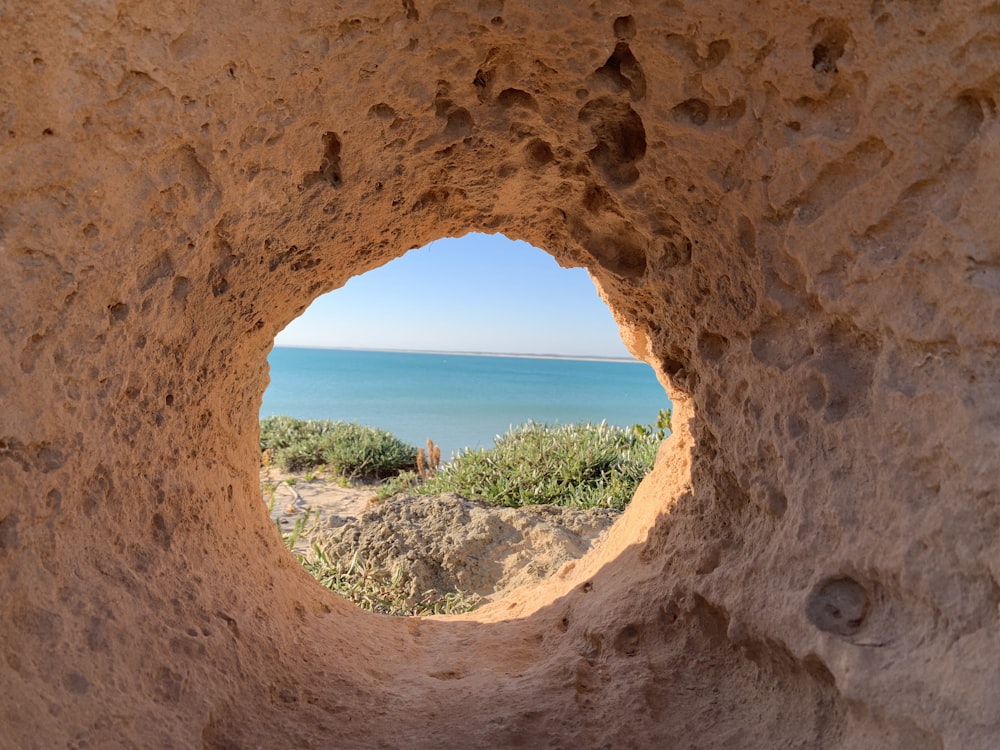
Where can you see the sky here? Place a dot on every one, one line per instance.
(478, 293)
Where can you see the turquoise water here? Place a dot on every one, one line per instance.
(457, 400)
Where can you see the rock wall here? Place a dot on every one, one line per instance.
(790, 208)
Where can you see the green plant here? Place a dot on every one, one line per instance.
(357, 451)
(581, 465)
(292, 537)
(269, 488)
(352, 450)
(660, 428)
(300, 456)
(404, 481)
(380, 591)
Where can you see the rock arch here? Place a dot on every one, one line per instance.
(789, 214)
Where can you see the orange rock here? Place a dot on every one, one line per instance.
(792, 216)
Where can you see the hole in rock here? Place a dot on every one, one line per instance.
(422, 424)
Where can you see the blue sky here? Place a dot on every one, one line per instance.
(481, 293)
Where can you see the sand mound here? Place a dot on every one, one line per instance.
(447, 542)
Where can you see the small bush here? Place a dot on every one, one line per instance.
(580, 465)
(352, 450)
(300, 456)
(356, 451)
(284, 432)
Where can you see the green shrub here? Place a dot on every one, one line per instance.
(356, 451)
(299, 445)
(284, 432)
(581, 465)
(300, 456)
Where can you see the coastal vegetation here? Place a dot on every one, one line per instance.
(343, 448)
(575, 465)
(580, 465)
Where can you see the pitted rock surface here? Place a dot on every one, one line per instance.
(790, 208)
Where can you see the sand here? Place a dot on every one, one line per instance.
(317, 501)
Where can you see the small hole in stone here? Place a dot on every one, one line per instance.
(839, 605)
(694, 111)
(832, 37)
(118, 311)
(624, 27)
(823, 59)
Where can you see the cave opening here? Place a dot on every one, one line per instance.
(509, 369)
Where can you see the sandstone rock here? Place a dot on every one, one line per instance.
(790, 208)
(447, 542)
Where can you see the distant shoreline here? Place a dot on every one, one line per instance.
(568, 357)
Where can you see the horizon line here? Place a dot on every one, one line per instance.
(512, 355)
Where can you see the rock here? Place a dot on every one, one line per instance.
(790, 209)
(447, 543)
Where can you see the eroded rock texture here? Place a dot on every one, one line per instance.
(791, 211)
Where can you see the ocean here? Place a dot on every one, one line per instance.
(457, 400)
